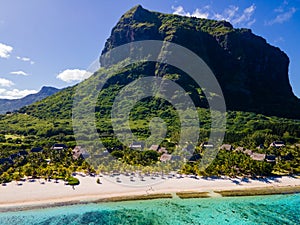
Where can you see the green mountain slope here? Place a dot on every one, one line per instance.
(253, 74)
(264, 129)
(59, 106)
(246, 67)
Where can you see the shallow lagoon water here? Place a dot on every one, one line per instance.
(272, 209)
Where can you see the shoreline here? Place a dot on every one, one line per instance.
(35, 195)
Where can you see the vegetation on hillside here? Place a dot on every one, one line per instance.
(240, 70)
(49, 121)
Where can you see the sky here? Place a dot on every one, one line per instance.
(53, 42)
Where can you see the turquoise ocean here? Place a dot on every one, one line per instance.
(272, 209)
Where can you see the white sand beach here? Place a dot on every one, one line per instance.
(38, 193)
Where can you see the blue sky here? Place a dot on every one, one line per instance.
(53, 42)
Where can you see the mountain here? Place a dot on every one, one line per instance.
(253, 74)
(9, 105)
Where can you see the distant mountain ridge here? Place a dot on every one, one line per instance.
(9, 105)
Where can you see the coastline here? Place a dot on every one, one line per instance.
(33, 195)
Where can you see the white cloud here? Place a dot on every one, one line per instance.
(199, 13)
(5, 51)
(25, 59)
(15, 93)
(178, 10)
(22, 73)
(71, 75)
(230, 14)
(278, 40)
(5, 83)
(283, 16)
(245, 17)
(280, 8)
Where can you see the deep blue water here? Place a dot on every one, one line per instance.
(272, 209)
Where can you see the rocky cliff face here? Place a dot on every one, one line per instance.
(252, 74)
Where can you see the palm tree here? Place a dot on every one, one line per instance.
(16, 176)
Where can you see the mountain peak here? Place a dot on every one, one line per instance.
(135, 10)
(137, 14)
(244, 64)
(48, 88)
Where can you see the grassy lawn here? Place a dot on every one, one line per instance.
(14, 136)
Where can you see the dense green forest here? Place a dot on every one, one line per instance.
(237, 57)
(50, 121)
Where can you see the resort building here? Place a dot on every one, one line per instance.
(258, 156)
(154, 147)
(79, 152)
(22, 153)
(165, 157)
(248, 152)
(36, 149)
(277, 144)
(162, 150)
(207, 145)
(240, 149)
(136, 145)
(59, 147)
(226, 147)
(270, 158)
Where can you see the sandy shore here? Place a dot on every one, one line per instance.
(39, 194)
